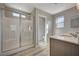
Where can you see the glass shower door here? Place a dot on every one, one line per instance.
(26, 32)
(10, 31)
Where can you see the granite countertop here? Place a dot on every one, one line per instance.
(66, 39)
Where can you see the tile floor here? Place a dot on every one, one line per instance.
(39, 51)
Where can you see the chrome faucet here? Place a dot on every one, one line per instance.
(74, 35)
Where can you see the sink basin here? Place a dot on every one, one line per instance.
(66, 35)
(70, 38)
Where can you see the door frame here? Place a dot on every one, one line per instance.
(39, 15)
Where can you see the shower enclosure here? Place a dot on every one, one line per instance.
(16, 31)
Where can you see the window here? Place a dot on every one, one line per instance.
(60, 22)
(16, 14)
(23, 16)
(46, 28)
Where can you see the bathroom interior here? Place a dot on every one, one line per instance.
(39, 29)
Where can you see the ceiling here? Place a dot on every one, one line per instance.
(51, 8)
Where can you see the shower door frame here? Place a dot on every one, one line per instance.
(20, 47)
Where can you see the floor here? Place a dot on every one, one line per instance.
(38, 51)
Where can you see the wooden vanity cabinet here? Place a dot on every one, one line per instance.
(75, 50)
(62, 48)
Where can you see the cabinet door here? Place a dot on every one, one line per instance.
(68, 48)
(75, 51)
(56, 48)
(10, 31)
(60, 48)
(26, 32)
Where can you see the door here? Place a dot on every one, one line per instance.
(10, 30)
(26, 31)
(41, 31)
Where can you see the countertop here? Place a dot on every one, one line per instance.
(66, 39)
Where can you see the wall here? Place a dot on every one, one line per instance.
(68, 15)
(33, 16)
(49, 20)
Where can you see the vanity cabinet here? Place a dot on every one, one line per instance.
(75, 50)
(62, 48)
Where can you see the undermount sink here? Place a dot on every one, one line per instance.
(66, 35)
(70, 37)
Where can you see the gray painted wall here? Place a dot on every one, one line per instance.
(33, 16)
(68, 16)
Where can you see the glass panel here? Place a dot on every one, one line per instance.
(10, 31)
(41, 30)
(26, 32)
(16, 14)
(23, 16)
